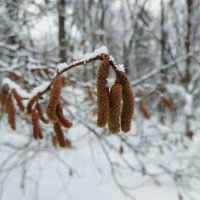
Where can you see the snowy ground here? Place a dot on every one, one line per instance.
(48, 174)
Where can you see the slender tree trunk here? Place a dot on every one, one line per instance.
(163, 38)
(61, 30)
(163, 55)
(187, 74)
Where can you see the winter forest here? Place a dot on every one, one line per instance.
(99, 99)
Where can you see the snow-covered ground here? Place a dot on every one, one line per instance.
(82, 172)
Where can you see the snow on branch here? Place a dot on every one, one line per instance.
(11, 91)
(86, 58)
(12, 85)
(98, 54)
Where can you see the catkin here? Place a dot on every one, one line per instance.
(128, 102)
(36, 127)
(54, 97)
(103, 93)
(4, 96)
(18, 99)
(144, 110)
(115, 108)
(31, 102)
(59, 134)
(167, 103)
(60, 116)
(40, 112)
(11, 111)
(90, 93)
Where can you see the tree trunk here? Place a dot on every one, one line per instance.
(61, 30)
(187, 75)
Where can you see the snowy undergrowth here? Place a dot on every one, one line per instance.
(36, 170)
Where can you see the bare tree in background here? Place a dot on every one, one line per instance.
(61, 30)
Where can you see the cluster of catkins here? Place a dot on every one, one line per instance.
(7, 104)
(115, 107)
(54, 113)
(34, 110)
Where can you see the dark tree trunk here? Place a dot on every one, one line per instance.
(61, 30)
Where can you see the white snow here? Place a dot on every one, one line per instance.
(110, 81)
(188, 104)
(3, 64)
(100, 32)
(23, 93)
(176, 89)
(13, 85)
(61, 66)
(86, 57)
(111, 58)
(99, 51)
(120, 68)
(180, 90)
(40, 88)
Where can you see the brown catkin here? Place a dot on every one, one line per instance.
(54, 97)
(90, 93)
(60, 116)
(18, 99)
(103, 93)
(11, 113)
(4, 96)
(31, 102)
(36, 127)
(59, 134)
(115, 108)
(144, 110)
(167, 103)
(40, 112)
(128, 102)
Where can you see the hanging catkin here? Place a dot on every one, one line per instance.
(144, 110)
(167, 103)
(18, 99)
(40, 112)
(59, 134)
(54, 97)
(4, 96)
(128, 102)
(31, 102)
(60, 116)
(115, 108)
(11, 111)
(103, 93)
(36, 127)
